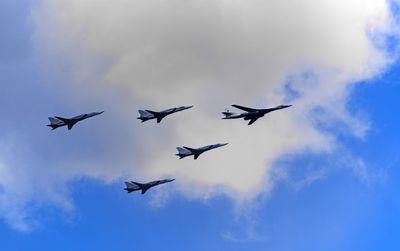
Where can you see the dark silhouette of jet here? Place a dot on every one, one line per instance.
(147, 114)
(251, 113)
(132, 186)
(187, 151)
(56, 121)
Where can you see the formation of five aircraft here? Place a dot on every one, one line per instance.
(250, 114)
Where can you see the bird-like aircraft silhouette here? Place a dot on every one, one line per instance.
(187, 151)
(132, 186)
(56, 121)
(148, 114)
(251, 114)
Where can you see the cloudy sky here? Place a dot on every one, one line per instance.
(321, 175)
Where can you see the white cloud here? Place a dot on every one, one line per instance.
(157, 54)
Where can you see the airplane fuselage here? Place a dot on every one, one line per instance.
(135, 186)
(187, 151)
(251, 113)
(56, 121)
(148, 114)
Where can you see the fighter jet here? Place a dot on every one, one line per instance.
(135, 186)
(147, 114)
(251, 113)
(187, 151)
(56, 121)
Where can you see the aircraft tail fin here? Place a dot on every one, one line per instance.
(144, 114)
(152, 112)
(129, 187)
(157, 115)
(62, 119)
(70, 123)
(183, 150)
(53, 120)
(128, 184)
(193, 151)
(54, 123)
(137, 183)
(188, 148)
(134, 186)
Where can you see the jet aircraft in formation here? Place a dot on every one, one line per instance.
(132, 186)
(187, 151)
(147, 114)
(251, 114)
(56, 121)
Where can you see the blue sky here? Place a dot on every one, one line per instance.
(62, 190)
